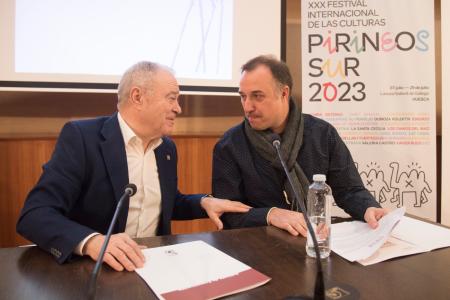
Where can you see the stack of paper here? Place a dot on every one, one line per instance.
(411, 236)
(196, 270)
(356, 240)
(396, 236)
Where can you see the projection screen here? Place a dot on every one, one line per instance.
(86, 44)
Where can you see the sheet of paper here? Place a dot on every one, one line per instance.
(196, 268)
(356, 240)
(410, 236)
(393, 247)
(422, 234)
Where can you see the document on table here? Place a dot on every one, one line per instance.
(392, 248)
(196, 270)
(423, 234)
(357, 241)
(411, 236)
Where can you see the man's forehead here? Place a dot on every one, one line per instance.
(166, 78)
(260, 74)
(165, 75)
(250, 91)
(256, 80)
(173, 92)
(259, 69)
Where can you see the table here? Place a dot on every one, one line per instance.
(30, 273)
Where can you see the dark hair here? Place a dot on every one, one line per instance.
(279, 69)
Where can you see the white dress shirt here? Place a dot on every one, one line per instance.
(145, 206)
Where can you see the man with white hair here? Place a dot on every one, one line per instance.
(70, 208)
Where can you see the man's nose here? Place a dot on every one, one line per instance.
(177, 108)
(247, 106)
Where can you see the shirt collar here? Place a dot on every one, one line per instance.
(128, 134)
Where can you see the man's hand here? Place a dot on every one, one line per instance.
(215, 207)
(373, 214)
(122, 252)
(288, 220)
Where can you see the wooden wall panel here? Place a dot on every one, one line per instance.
(194, 176)
(21, 165)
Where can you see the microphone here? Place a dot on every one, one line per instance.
(130, 190)
(319, 290)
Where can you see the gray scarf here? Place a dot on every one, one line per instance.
(291, 141)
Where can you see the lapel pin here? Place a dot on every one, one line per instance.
(168, 157)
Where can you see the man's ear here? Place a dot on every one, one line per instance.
(136, 98)
(285, 93)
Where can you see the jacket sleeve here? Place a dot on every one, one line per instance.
(343, 177)
(227, 183)
(187, 207)
(43, 219)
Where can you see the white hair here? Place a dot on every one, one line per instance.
(140, 75)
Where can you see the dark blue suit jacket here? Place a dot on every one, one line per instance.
(82, 183)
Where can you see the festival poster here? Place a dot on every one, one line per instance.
(368, 68)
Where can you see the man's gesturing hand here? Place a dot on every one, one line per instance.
(215, 207)
(122, 252)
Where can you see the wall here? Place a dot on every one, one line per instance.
(445, 21)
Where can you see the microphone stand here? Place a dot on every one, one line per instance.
(319, 289)
(130, 190)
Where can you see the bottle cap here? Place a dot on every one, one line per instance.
(319, 177)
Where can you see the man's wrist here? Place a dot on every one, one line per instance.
(81, 247)
(206, 196)
(267, 216)
(203, 198)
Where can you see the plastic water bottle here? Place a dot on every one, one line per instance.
(319, 213)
